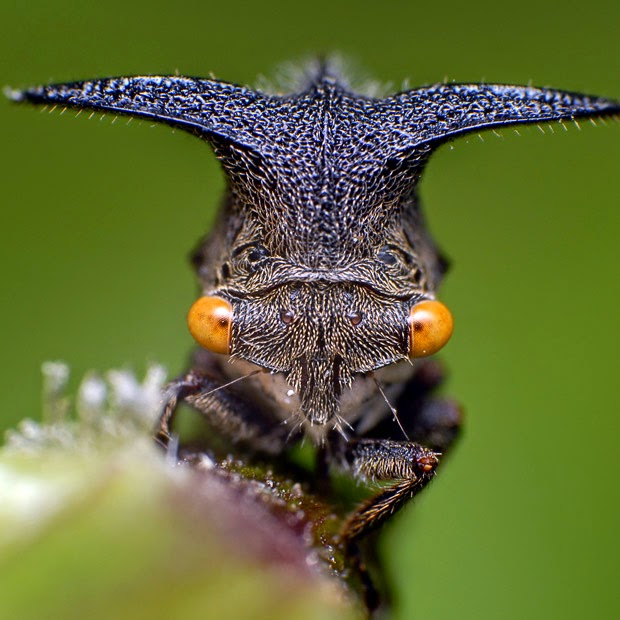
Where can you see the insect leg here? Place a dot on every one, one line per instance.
(411, 467)
(175, 391)
(228, 413)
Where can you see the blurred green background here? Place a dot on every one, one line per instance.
(97, 221)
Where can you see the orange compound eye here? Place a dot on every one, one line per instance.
(430, 327)
(209, 321)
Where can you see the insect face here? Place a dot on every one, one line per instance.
(320, 328)
(320, 335)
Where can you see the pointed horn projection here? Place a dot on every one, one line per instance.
(446, 111)
(202, 107)
(292, 127)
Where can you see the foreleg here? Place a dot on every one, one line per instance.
(408, 465)
(227, 413)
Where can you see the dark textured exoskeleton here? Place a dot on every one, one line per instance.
(317, 269)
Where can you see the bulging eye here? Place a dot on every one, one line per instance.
(430, 327)
(209, 321)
